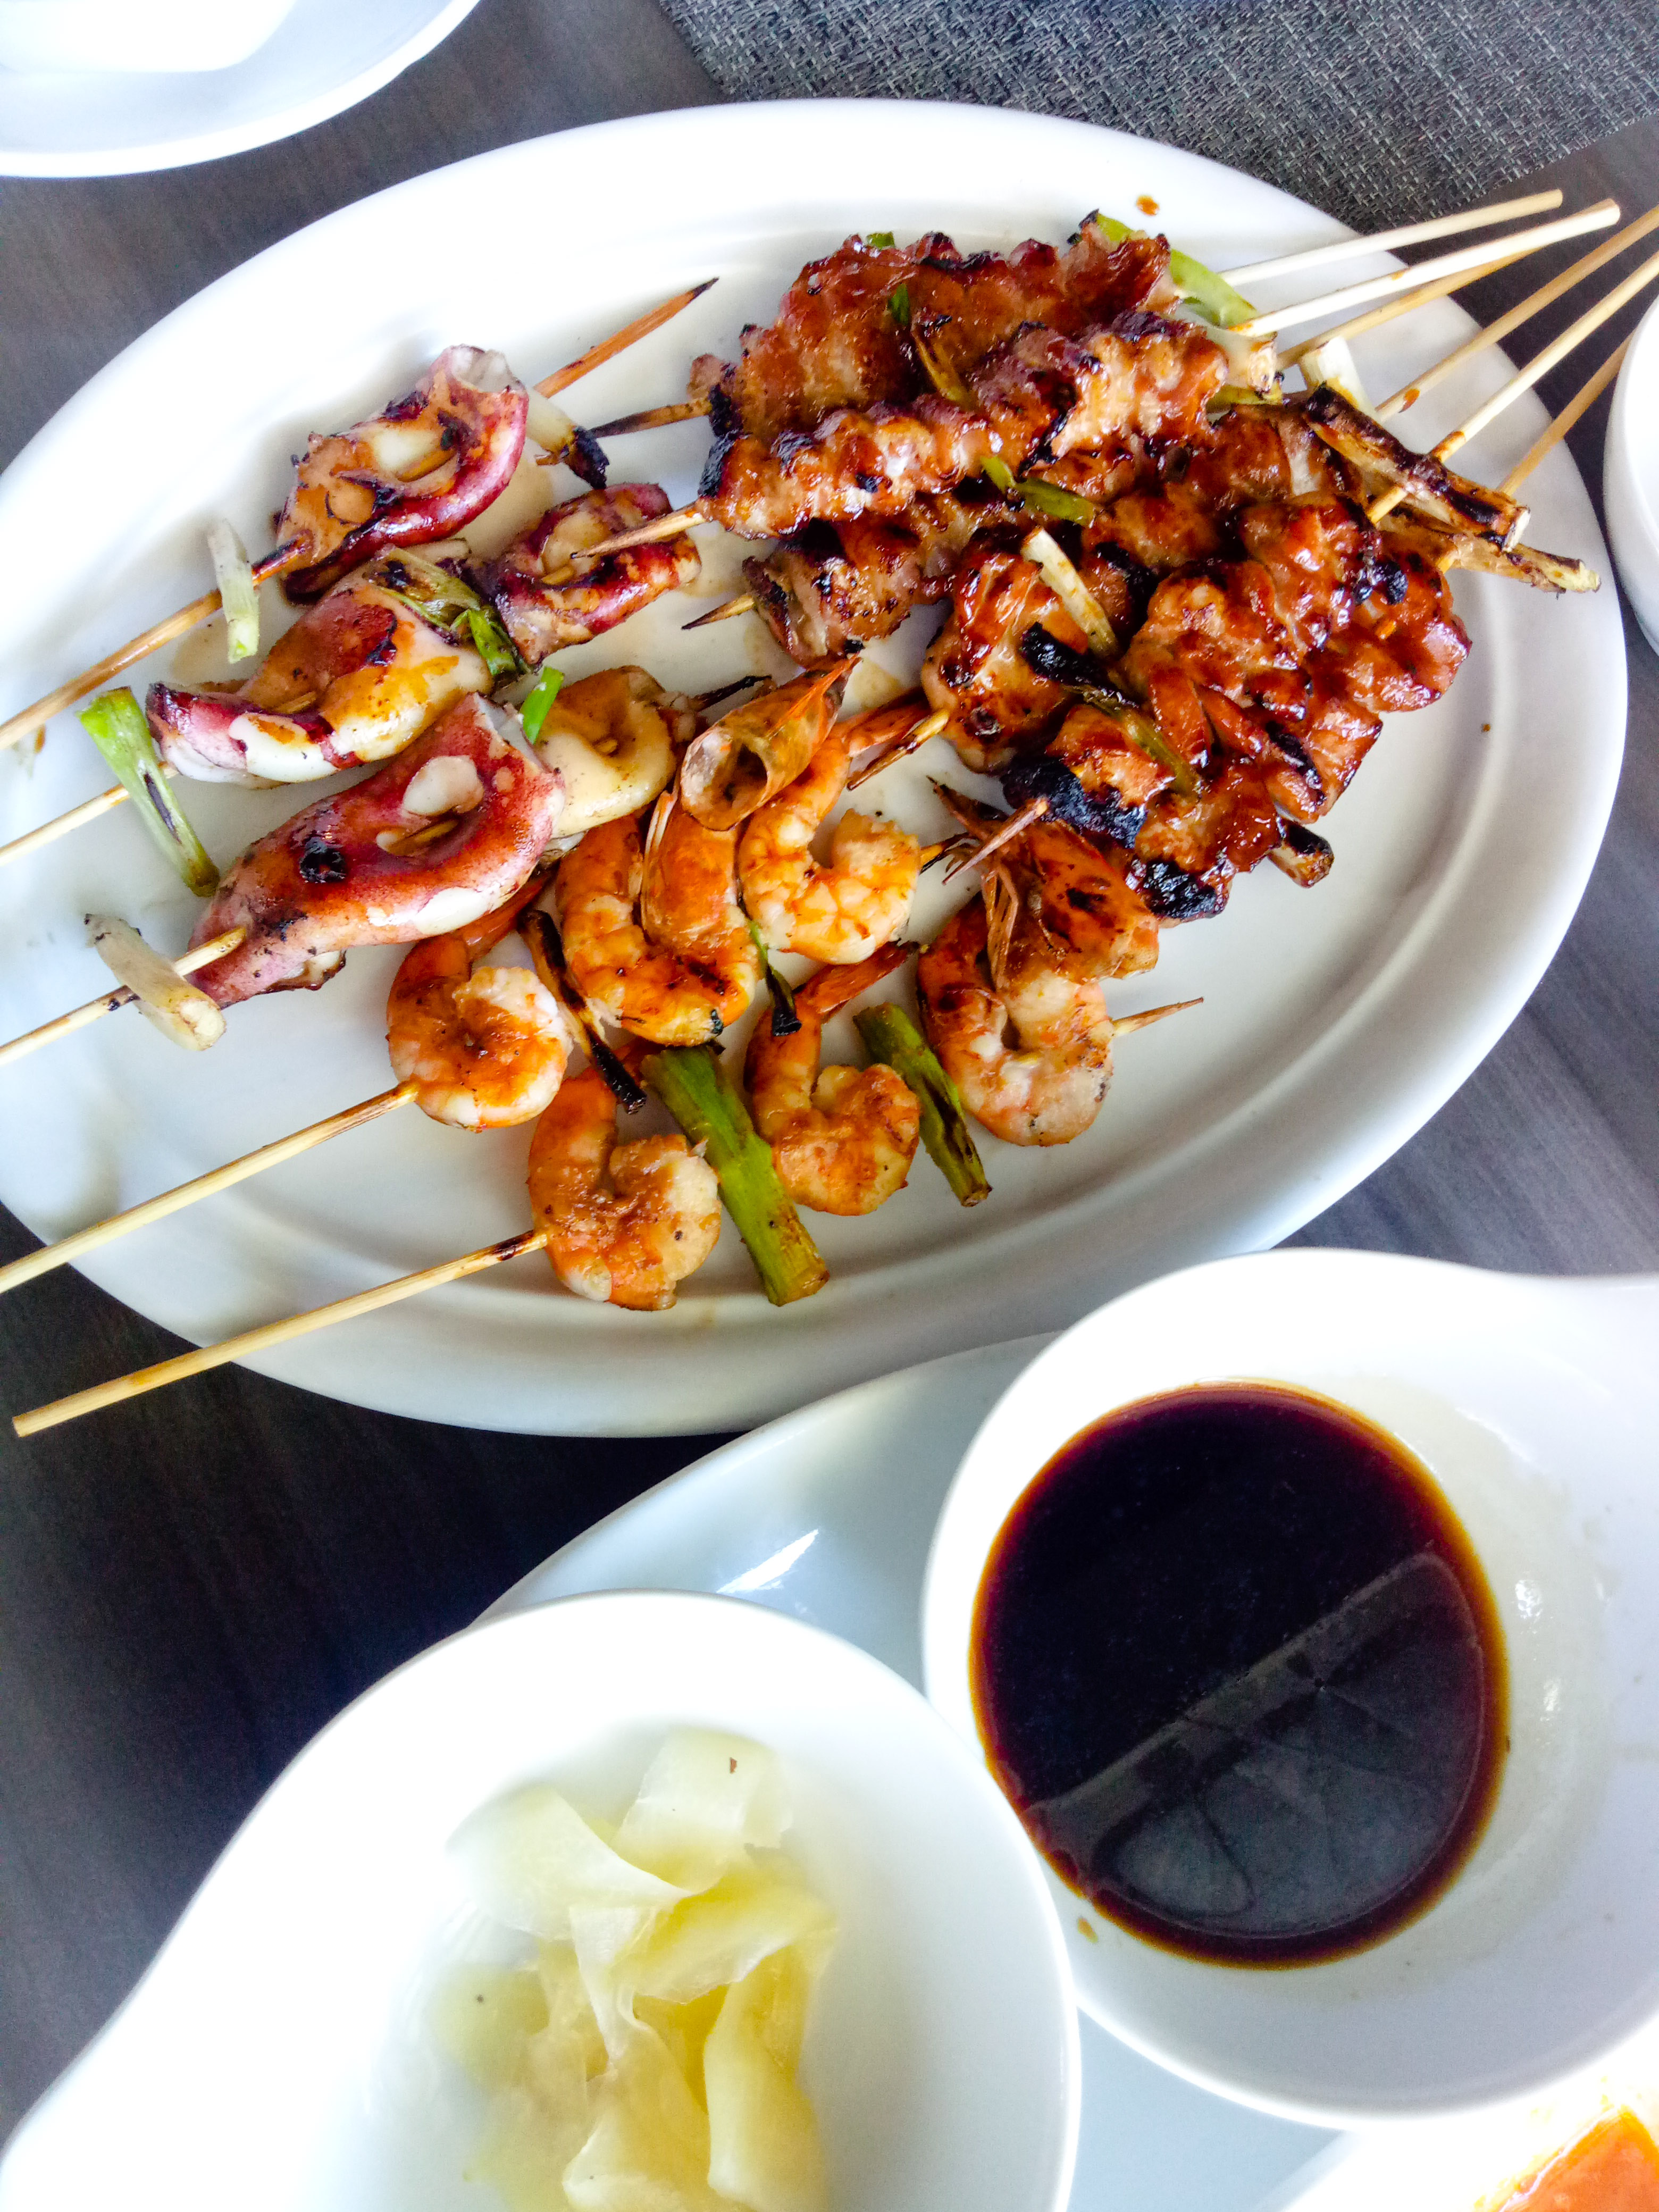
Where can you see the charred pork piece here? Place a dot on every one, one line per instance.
(544, 607)
(358, 676)
(1253, 455)
(835, 588)
(837, 342)
(431, 841)
(1432, 488)
(874, 462)
(420, 471)
(1138, 384)
(976, 670)
(1190, 848)
(1401, 645)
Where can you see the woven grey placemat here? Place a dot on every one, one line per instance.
(1378, 113)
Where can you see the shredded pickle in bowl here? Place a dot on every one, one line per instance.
(645, 2059)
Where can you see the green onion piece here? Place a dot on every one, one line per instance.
(898, 305)
(889, 1034)
(1213, 296)
(116, 725)
(234, 573)
(878, 238)
(492, 644)
(997, 471)
(1050, 499)
(451, 605)
(1229, 396)
(702, 1098)
(1143, 732)
(532, 707)
(942, 376)
(786, 1022)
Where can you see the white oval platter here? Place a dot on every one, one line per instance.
(1335, 1022)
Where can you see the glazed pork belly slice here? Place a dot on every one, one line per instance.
(448, 829)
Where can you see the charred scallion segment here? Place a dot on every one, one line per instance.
(941, 371)
(697, 1091)
(1063, 663)
(1213, 296)
(532, 707)
(890, 1034)
(786, 1022)
(541, 935)
(238, 595)
(451, 605)
(1303, 854)
(116, 727)
(1059, 505)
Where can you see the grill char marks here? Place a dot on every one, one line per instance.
(835, 342)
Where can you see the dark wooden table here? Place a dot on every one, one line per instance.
(190, 1586)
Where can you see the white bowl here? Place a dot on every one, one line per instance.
(142, 36)
(1536, 1405)
(278, 2052)
(1630, 475)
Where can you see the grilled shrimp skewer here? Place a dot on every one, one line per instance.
(842, 1138)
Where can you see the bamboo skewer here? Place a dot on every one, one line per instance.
(1409, 280)
(1372, 318)
(35, 718)
(619, 341)
(254, 1340)
(745, 603)
(69, 1249)
(77, 819)
(1406, 234)
(1524, 379)
(1582, 401)
(95, 1009)
(1496, 333)
(652, 418)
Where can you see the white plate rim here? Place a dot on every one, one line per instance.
(910, 1316)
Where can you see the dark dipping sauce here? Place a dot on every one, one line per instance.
(1239, 1671)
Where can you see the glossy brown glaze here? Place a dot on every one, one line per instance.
(1238, 1670)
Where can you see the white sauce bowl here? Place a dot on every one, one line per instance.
(1630, 475)
(1534, 1404)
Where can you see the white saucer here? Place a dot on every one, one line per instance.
(326, 56)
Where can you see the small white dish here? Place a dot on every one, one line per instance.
(311, 59)
(1630, 475)
(1535, 1405)
(280, 2043)
(82, 36)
